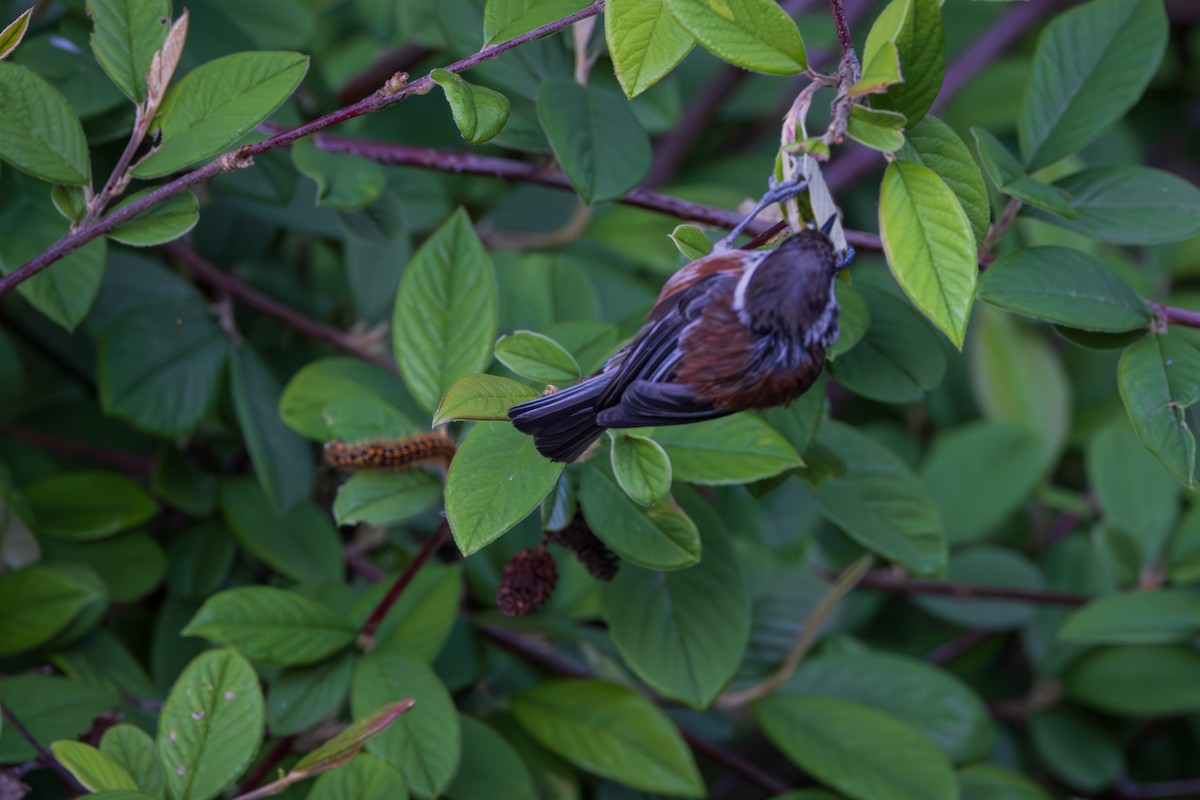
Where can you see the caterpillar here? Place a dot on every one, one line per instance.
(391, 454)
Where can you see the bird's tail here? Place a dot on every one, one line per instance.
(563, 423)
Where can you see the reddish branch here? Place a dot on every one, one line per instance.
(244, 156)
(44, 755)
(366, 637)
(209, 273)
(129, 462)
(884, 582)
(374, 76)
(843, 30)
(269, 762)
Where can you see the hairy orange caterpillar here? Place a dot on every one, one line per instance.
(391, 454)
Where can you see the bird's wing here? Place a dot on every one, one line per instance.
(729, 263)
(651, 359)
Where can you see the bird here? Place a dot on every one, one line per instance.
(734, 330)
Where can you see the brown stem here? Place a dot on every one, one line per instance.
(44, 755)
(1178, 316)
(212, 275)
(120, 176)
(884, 582)
(945, 653)
(374, 76)
(843, 30)
(1133, 790)
(271, 760)
(366, 637)
(129, 462)
(244, 156)
(509, 169)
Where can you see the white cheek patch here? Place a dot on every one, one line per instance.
(739, 294)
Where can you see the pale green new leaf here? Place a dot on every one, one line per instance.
(644, 41)
(756, 35)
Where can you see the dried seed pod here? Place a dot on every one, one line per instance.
(529, 580)
(600, 562)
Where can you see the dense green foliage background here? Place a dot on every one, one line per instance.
(965, 565)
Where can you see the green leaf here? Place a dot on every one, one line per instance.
(657, 538)
(344, 182)
(211, 725)
(70, 201)
(131, 564)
(385, 498)
(916, 29)
(160, 365)
(536, 357)
(312, 389)
(1134, 490)
(39, 133)
(1017, 377)
(92, 612)
(854, 319)
(479, 112)
(610, 731)
(496, 479)
(929, 245)
(127, 34)
(1139, 682)
(51, 708)
(934, 144)
(271, 625)
(859, 751)
(364, 778)
(988, 782)
(1158, 377)
(200, 558)
(735, 449)
(13, 33)
(64, 294)
(1129, 205)
(481, 397)
(38, 603)
(491, 767)
(597, 140)
(932, 702)
(82, 506)
(217, 103)
(899, 358)
(1164, 616)
(1010, 177)
(879, 503)
(1092, 64)
(350, 741)
(683, 632)
(987, 565)
(644, 41)
(878, 129)
(132, 749)
(691, 241)
(300, 544)
(1065, 286)
(365, 417)
(91, 767)
(508, 19)
(882, 71)
(756, 35)
(979, 475)
(302, 697)
(1076, 748)
(162, 223)
(444, 323)
(282, 460)
(425, 744)
(642, 469)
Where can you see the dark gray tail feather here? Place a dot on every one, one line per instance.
(562, 424)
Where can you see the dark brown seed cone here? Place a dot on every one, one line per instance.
(529, 580)
(594, 554)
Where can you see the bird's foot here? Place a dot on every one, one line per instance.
(777, 192)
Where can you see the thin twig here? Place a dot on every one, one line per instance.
(366, 637)
(374, 76)
(509, 169)
(129, 462)
(884, 582)
(845, 583)
(244, 156)
(44, 754)
(1133, 790)
(271, 760)
(235, 287)
(843, 30)
(945, 653)
(735, 763)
